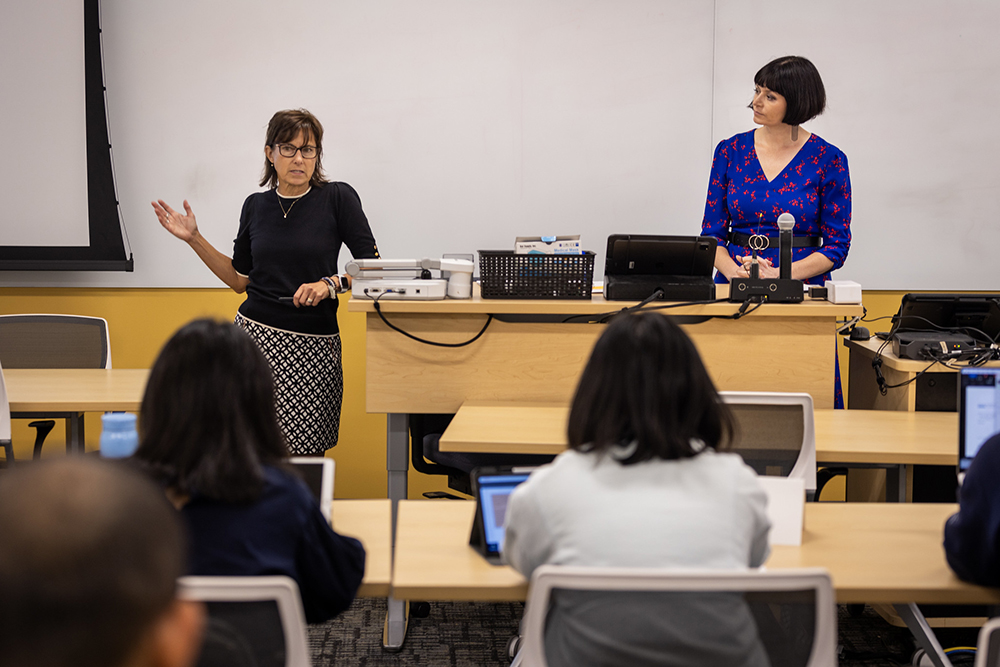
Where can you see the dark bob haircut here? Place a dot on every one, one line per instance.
(207, 423)
(282, 129)
(798, 81)
(646, 383)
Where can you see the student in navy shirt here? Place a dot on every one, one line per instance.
(208, 432)
(972, 537)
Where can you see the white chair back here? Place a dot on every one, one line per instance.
(785, 404)
(280, 589)
(547, 578)
(988, 649)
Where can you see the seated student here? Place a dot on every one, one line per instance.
(972, 536)
(90, 553)
(208, 432)
(644, 483)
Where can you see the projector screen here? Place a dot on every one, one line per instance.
(61, 212)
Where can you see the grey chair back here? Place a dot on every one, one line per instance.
(54, 341)
(988, 650)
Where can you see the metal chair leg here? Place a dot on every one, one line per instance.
(43, 427)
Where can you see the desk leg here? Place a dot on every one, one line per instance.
(74, 433)
(397, 466)
(895, 484)
(922, 632)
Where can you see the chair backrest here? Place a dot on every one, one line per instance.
(777, 433)
(988, 650)
(261, 616)
(54, 341)
(318, 473)
(4, 411)
(808, 594)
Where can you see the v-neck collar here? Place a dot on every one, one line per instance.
(756, 157)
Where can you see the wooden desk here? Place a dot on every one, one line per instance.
(842, 436)
(371, 522)
(875, 552)
(56, 393)
(845, 437)
(863, 388)
(529, 354)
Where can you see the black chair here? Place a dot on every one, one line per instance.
(426, 456)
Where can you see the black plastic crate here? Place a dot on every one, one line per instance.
(504, 275)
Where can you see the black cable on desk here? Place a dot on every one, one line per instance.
(378, 309)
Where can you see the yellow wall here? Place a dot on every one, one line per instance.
(141, 321)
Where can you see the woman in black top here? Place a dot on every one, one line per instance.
(285, 259)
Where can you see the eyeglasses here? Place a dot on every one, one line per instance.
(289, 150)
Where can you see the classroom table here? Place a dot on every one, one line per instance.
(875, 552)
(69, 393)
(929, 386)
(371, 522)
(860, 438)
(530, 352)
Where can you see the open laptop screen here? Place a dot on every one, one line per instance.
(979, 411)
(492, 492)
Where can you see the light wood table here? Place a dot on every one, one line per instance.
(371, 522)
(875, 552)
(530, 352)
(882, 552)
(57, 393)
(844, 437)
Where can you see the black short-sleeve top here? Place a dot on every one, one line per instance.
(279, 253)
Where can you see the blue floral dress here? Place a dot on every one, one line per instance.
(815, 187)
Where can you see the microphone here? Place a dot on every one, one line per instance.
(786, 221)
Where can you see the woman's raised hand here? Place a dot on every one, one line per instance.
(183, 227)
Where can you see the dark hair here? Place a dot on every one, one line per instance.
(89, 558)
(645, 382)
(207, 423)
(282, 128)
(798, 81)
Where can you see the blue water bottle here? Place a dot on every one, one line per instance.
(119, 437)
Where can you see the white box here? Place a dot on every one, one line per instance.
(547, 245)
(842, 291)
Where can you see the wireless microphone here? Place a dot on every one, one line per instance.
(786, 221)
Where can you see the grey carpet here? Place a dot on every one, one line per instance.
(475, 634)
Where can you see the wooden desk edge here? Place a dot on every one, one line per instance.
(373, 585)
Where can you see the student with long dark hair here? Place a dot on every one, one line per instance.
(209, 434)
(646, 482)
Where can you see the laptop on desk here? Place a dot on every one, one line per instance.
(317, 473)
(978, 412)
(492, 488)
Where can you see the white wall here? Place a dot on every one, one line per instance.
(464, 124)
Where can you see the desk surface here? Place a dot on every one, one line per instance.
(883, 552)
(75, 389)
(371, 522)
(842, 436)
(597, 304)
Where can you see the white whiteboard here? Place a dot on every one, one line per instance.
(465, 124)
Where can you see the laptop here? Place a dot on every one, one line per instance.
(491, 488)
(978, 412)
(317, 473)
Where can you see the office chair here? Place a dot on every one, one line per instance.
(777, 434)
(5, 439)
(52, 341)
(793, 612)
(988, 648)
(426, 457)
(252, 620)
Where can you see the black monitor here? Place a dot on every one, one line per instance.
(644, 254)
(975, 315)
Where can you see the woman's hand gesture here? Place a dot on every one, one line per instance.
(184, 227)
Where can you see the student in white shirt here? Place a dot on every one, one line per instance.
(645, 483)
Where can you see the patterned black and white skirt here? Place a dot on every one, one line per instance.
(308, 384)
